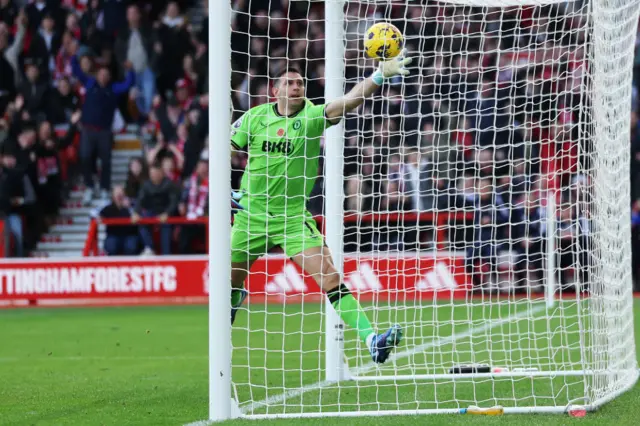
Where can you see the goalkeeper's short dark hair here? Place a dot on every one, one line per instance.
(287, 69)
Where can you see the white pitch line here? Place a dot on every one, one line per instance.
(103, 358)
(292, 393)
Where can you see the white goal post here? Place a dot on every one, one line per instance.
(481, 202)
(220, 403)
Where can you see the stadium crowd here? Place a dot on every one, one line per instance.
(75, 72)
(475, 128)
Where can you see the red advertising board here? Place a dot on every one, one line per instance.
(175, 279)
(103, 278)
(385, 275)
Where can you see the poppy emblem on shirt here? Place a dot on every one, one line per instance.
(280, 132)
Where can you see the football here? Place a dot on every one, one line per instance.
(383, 41)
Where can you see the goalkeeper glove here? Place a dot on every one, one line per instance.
(391, 68)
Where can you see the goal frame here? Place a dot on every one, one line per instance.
(222, 405)
(220, 401)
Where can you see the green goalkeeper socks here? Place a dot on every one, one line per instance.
(350, 311)
(236, 296)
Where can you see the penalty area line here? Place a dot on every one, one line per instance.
(293, 393)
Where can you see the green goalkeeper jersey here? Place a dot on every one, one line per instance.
(284, 153)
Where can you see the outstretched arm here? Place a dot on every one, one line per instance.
(130, 78)
(13, 51)
(368, 86)
(77, 71)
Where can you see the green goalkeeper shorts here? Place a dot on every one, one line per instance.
(253, 235)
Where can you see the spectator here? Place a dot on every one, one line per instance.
(72, 25)
(515, 184)
(48, 189)
(169, 157)
(120, 240)
(192, 72)
(194, 134)
(34, 92)
(573, 231)
(171, 165)
(176, 44)
(44, 47)
(92, 25)
(8, 12)
(484, 162)
(490, 221)
(395, 193)
(182, 135)
(86, 56)
(466, 190)
(194, 204)
(62, 102)
(418, 182)
(7, 83)
(97, 117)
(158, 198)
(37, 11)
(9, 55)
(106, 59)
(69, 44)
(183, 93)
(17, 195)
(168, 116)
(49, 174)
(22, 147)
(528, 227)
(485, 114)
(137, 44)
(357, 195)
(137, 174)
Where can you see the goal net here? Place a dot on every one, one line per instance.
(481, 203)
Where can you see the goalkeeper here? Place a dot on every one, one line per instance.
(283, 143)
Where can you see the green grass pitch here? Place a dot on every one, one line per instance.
(148, 365)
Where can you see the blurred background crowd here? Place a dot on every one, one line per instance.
(75, 73)
(493, 120)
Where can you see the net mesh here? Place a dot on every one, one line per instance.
(497, 168)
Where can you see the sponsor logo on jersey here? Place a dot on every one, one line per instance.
(282, 147)
(297, 124)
